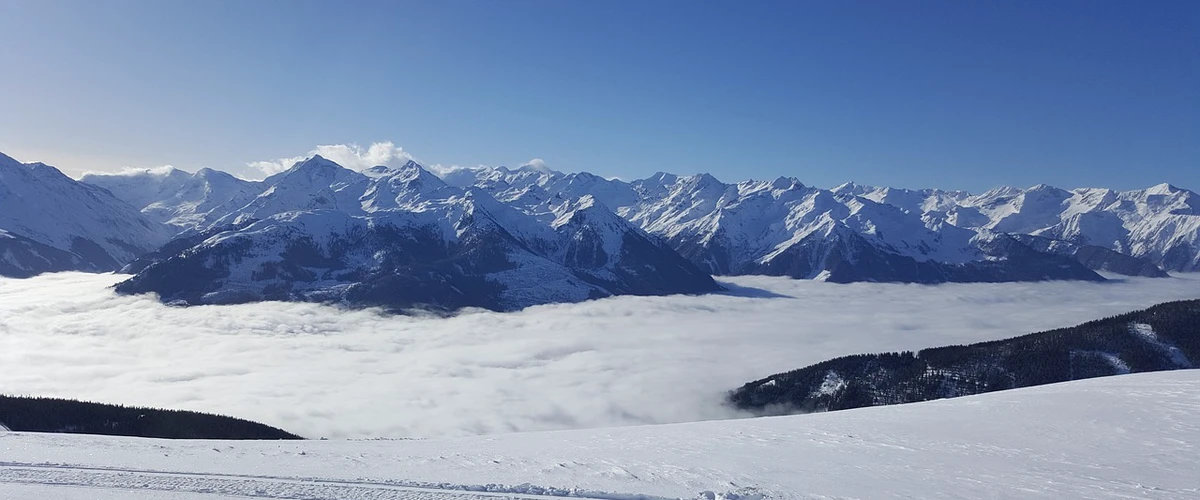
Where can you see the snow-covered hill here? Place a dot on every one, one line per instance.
(1130, 436)
(1163, 337)
(50, 222)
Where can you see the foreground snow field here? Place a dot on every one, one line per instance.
(1131, 436)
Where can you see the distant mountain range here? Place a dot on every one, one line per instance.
(499, 238)
(1163, 337)
(402, 238)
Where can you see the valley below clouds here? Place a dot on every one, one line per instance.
(321, 371)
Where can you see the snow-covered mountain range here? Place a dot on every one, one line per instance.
(1160, 223)
(857, 233)
(507, 238)
(401, 238)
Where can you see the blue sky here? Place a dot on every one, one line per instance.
(966, 95)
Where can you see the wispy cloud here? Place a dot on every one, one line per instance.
(134, 171)
(351, 156)
(321, 371)
(537, 164)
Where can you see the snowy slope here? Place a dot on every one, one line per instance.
(62, 222)
(21, 257)
(1131, 436)
(1095, 257)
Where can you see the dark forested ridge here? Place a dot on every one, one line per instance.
(1163, 337)
(78, 417)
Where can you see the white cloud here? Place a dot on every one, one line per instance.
(351, 156)
(537, 164)
(162, 171)
(320, 371)
(456, 175)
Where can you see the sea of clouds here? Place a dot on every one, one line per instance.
(325, 372)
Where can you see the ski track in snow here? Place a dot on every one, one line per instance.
(244, 485)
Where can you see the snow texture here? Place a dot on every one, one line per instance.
(1131, 436)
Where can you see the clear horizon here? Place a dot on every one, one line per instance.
(934, 94)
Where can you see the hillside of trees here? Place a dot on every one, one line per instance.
(79, 417)
(1163, 337)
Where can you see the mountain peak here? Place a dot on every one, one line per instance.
(586, 176)
(311, 168)
(702, 180)
(1043, 188)
(1001, 192)
(1163, 188)
(539, 166)
(316, 162)
(1045, 191)
(664, 176)
(208, 173)
(412, 171)
(851, 187)
(782, 182)
(658, 180)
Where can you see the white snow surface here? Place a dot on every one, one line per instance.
(320, 371)
(1129, 436)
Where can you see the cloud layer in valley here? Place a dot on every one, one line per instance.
(320, 371)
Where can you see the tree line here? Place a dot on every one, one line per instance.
(34, 414)
(1163, 337)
